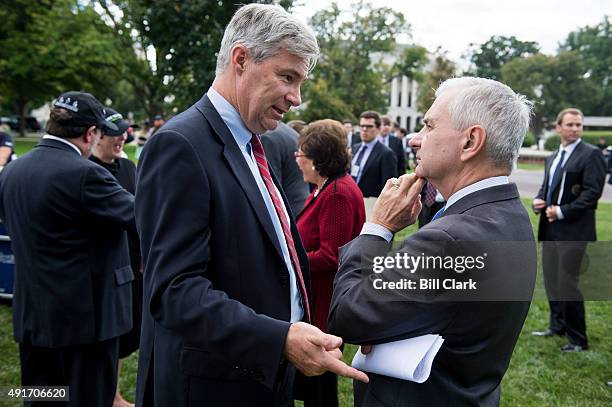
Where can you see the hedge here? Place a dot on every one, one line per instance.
(591, 137)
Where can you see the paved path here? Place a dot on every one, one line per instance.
(529, 182)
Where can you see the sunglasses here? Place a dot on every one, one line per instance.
(367, 126)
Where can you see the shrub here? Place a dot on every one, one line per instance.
(529, 140)
(552, 143)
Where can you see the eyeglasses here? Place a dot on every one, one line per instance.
(298, 154)
(367, 126)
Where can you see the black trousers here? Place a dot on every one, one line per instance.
(317, 391)
(562, 262)
(90, 372)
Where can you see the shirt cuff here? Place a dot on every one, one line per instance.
(560, 213)
(376, 230)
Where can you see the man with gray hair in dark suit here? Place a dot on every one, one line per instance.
(472, 135)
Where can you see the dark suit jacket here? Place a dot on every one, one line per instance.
(67, 218)
(381, 165)
(585, 175)
(396, 146)
(330, 220)
(280, 145)
(355, 138)
(216, 289)
(479, 336)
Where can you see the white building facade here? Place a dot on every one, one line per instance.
(403, 103)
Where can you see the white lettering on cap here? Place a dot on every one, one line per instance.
(66, 104)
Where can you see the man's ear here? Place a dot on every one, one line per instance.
(89, 135)
(239, 56)
(474, 142)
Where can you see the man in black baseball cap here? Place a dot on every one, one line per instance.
(68, 218)
(78, 119)
(86, 110)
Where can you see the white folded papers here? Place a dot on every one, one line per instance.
(408, 359)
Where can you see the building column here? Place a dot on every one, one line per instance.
(394, 92)
(404, 102)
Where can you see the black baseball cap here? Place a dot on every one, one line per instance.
(86, 110)
(114, 117)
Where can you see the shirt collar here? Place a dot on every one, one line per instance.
(570, 147)
(477, 186)
(370, 143)
(51, 137)
(230, 117)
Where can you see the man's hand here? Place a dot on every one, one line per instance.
(314, 352)
(551, 213)
(399, 205)
(538, 204)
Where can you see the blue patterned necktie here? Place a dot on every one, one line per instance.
(555, 179)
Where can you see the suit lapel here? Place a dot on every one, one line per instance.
(574, 157)
(241, 170)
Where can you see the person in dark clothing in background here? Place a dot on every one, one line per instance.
(107, 153)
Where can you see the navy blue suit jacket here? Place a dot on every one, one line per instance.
(584, 177)
(216, 287)
(381, 165)
(67, 218)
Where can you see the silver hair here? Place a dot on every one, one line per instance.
(503, 114)
(265, 30)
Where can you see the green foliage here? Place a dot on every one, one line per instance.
(593, 45)
(346, 81)
(529, 139)
(592, 137)
(488, 58)
(181, 39)
(552, 143)
(411, 63)
(48, 47)
(551, 82)
(442, 69)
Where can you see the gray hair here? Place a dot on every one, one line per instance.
(503, 114)
(265, 30)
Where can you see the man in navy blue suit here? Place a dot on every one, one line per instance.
(226, 276)
(573, 183)
(67, 218)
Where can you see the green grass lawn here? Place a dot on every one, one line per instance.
(23, 145)
(539, 374)
(531, 166)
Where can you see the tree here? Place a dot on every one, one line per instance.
(172, 47)
(411, 63)
(350, 71)
(488, 58)
(593, 45)
(48, 47)
(441, 70)
(551, 82)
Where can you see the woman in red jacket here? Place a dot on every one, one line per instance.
(333, 215)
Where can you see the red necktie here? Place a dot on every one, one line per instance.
(262, 163)
(430, 195)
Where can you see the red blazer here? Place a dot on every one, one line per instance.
(330, 220)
